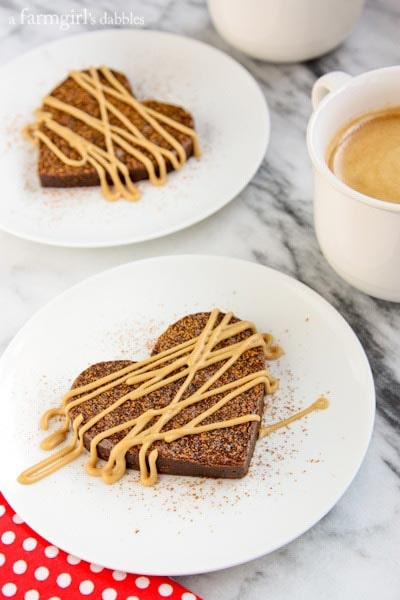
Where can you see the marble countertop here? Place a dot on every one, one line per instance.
(354, 551)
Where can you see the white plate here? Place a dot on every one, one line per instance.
(231, 118)
(187, 525)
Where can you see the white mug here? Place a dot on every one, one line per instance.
(284, 30)
(359, 235)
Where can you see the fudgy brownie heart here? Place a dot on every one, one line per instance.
(192, 408)
(92, 130)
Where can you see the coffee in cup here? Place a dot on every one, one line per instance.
(365, 154)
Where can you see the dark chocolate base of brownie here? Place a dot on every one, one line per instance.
(218, 453)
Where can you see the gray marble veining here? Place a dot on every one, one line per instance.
(354, 552)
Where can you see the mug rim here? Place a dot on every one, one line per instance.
(320, 163)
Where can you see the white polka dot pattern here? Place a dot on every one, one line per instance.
(8, 537)
(9, 590)
(109, 594)
(142, 582)
(19, 567)
(64, 580)
(17, 519)
(33, 569)
(41, 573)
(165, 590)
(119, 575)
(86, 587)
(51, 551)
(32, 595)
(29, 544)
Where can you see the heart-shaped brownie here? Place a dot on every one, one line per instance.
(92, 130)
(193, 408)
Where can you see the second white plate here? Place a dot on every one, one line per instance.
(187, 525)
(230, 113)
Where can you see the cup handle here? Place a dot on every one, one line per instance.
(328, 83)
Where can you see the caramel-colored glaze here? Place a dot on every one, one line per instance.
(153, 373)
(365, 154)
(320, 404)
(128, 137)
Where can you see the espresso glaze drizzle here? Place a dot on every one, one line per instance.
(128, 137)
(320, 404)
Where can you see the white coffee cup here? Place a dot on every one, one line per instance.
(358, 235)
(284, 30)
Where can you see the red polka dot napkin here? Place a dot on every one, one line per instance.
(33, 569)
